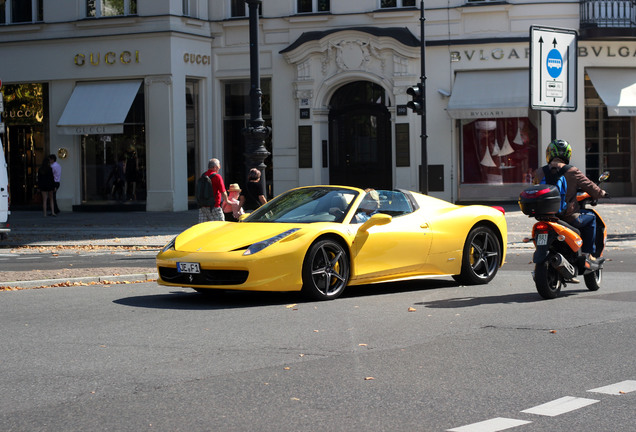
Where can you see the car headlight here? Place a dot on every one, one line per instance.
(257, 247)
(169, 245)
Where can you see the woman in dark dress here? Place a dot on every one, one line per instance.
(253, 196)
(46, 185)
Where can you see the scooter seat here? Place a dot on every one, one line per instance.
(567, 225)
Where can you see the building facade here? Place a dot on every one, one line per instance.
(159, 87)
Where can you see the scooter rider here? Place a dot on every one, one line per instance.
(557, 155)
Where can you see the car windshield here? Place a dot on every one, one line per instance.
(306, 205)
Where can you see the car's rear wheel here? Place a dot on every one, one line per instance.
(480, 258)
(325, 270)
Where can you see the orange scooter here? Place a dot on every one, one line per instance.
(558, 257)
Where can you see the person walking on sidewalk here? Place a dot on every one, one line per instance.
(57, 176)
(46, 185)
(254, 196)
(214, 212)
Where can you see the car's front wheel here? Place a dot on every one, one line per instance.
(325, 270)
(481, 257)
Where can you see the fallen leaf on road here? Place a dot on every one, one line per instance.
(412, 309)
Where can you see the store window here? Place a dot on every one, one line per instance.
(607, 139)
(193, 143)
(236, 117)
(26, 138)
(109, 8)
(309, 6)
(20, 11)
(499, 150)
(114, 165)
(396, 3)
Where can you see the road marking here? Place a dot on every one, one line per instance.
(617, 389)
(560, 406)
(492, 425)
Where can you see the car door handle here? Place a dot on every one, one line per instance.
(424, 225)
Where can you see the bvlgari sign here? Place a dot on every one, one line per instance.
(517, 53)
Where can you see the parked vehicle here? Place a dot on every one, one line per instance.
(558, 257)
(4, 194)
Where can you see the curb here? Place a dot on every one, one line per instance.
(42, 283)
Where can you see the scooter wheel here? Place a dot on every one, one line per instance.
(547, 280)
(593, 280)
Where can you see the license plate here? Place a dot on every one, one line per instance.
(185, 267)
(542, 239)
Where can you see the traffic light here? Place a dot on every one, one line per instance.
(417, 104)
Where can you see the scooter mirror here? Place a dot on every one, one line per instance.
(604, 176)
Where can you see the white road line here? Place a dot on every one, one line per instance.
(560, 406)
(492, 425)
(617, 389)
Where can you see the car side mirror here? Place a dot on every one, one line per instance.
(376, 219)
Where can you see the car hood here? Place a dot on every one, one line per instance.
(228, 236)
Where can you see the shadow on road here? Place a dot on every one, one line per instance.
(463, 302)
(188, 300)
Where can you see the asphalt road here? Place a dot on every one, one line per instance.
(144, 357)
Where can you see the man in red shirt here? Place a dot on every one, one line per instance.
(214, 212)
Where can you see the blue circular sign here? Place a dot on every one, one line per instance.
(554, 63)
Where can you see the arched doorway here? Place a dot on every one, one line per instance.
(360, 137)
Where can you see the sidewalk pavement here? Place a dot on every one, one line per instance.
(152, 230)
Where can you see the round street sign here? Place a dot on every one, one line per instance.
(554, 63)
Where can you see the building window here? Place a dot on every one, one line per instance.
(499, 150)
(236, 117)
(309, 6)
(607, 139)
(20, 11)
(396, 3)
(109, 8)
(239, 8)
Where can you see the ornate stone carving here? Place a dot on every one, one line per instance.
(351, 55)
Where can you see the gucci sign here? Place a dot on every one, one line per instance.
(111, 57)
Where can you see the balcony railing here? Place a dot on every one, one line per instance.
(607, 18)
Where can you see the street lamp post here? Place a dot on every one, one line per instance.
(424, 136)
(256, 133)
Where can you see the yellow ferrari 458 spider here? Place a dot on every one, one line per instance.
(320, 239)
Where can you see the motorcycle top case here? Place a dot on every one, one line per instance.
(540, 200)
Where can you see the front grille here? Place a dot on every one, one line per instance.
(206, 277)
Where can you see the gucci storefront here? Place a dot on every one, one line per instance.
(124, 123)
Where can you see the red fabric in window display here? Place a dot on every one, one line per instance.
(498, 151)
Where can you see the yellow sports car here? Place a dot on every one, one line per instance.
(320, 239)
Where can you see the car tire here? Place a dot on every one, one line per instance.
(325, 270)
(480, 258)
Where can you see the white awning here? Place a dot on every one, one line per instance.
(617, 88)
(490, 94)
(97, 108)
